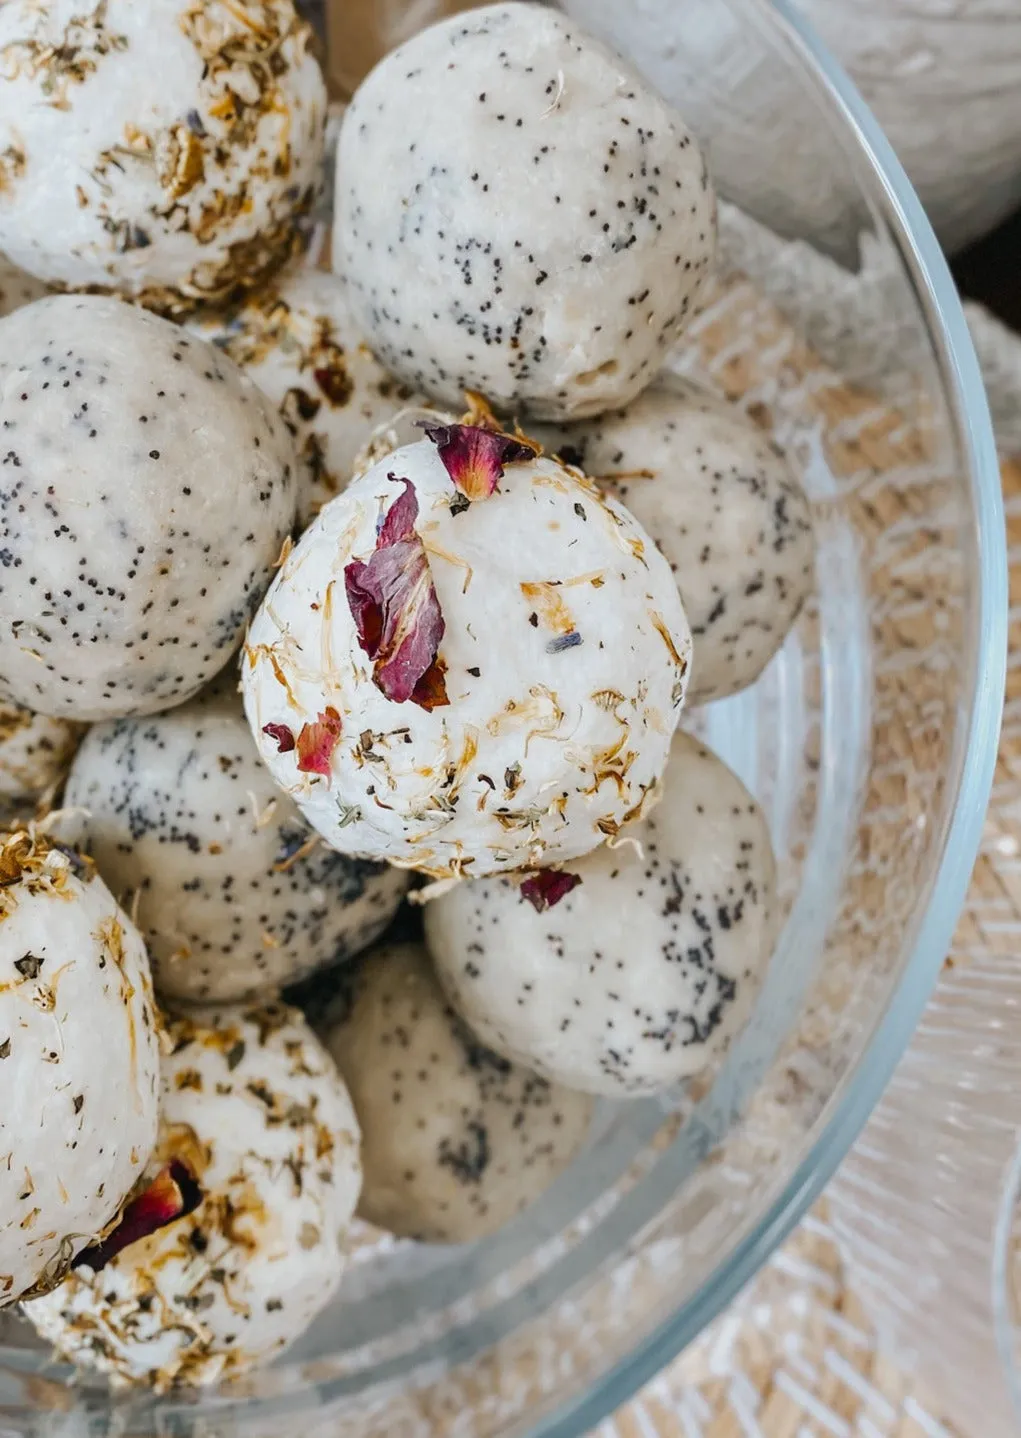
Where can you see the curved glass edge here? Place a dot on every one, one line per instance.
(938, 295)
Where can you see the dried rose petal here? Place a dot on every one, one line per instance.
(475, 457)
(316, 744)
(548, 887)
(431, 690)
(173, 1194)
(282, 735)
(394, 605)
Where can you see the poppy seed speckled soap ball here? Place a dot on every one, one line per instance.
(465, 687)
(158, 150)
(257, 1174)
(146, 488)
(724, 506)
(236, 895)
(79, 1061)
(643, 971)
(455, 1140)
(297, 340)
(546, 220)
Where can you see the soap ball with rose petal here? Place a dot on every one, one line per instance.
(237, 1241)
(472, 662)
(79, 1061)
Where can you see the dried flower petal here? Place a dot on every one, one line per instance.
(475, 457)
(431, 690)
(173, 1194)
(548, 887)
(394, 605)
(282, 735)
(316, 744)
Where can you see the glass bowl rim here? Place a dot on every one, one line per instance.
(934, 928)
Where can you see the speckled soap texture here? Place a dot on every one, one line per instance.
(644, 972)
(79, 1061)
(159, 150)
(146, 488)
(235, 894)
(254, 1111)
(455, 1140)
(546, 224)
(566, 651)
(725, 508)
(298, 341)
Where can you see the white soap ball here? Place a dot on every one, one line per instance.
(17, 288)
(723, 505)
(455, 1140)
(259, 1134)
(235, 895)
(299, 343)
(162, 150)
(546, 223)
(35, 752)
(561, 654)
(79, 1061)
(641, 973)
(147, 489)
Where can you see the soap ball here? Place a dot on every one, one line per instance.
(517, 213)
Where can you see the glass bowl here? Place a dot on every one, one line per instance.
(870, 741)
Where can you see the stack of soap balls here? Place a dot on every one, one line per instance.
(318, 588)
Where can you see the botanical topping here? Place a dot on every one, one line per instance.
(281, 735)
(397, 613)
(475, 457)
(316, 743)
(173, 1194)
(548, 887)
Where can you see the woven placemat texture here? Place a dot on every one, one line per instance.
(794, 1357)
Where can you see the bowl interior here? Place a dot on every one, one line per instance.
(864, 741)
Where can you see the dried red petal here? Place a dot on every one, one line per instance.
(316, 744)
(431, 690)
(548, 887)
(398, 524)
(475, 457)
(173, 1194)
(283, 736)
(393, 601)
